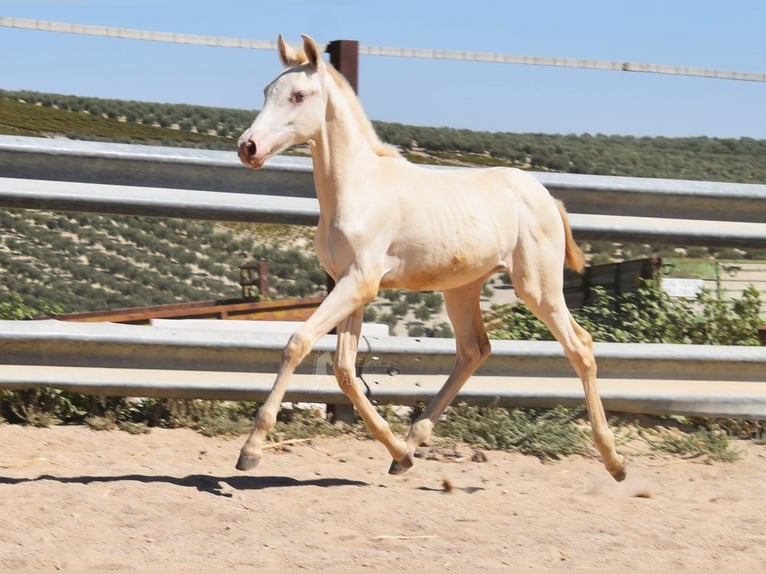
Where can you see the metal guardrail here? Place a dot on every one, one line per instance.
(210, 205)
(135, 179)
(156, 201)
(145, 180)
(287, 176)
(167, 360)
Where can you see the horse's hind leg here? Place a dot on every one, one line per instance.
(540, 287)
(472, 347)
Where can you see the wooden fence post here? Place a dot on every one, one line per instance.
(344, 55)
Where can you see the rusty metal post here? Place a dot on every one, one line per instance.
(344, 55)
(263, 278)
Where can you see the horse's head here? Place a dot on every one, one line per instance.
(293, 108)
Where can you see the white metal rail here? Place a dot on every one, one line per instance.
(151, 180)
(465, 56)
(167, 360)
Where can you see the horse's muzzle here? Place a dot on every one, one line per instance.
(247, 151)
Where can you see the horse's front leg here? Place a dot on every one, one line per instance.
(349, 294)
(345, 372)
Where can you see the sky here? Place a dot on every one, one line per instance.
(479, 96)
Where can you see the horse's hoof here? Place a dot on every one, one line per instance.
(401, 466)
(619, 473)
(247, 461)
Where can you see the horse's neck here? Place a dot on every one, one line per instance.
(337, 152)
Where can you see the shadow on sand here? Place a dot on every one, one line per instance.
(218, 485)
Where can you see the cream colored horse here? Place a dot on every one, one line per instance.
(386, 223)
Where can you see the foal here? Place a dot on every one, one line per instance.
(385, 223)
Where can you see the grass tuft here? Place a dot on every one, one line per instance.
(702, 442)
(546, 434)
(101, 423)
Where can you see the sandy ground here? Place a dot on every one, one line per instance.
(76, 499)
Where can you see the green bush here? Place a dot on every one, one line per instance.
(648, 315)
(400, 307)
(416, 330)
(13, 307)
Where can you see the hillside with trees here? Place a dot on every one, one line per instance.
(718, 159)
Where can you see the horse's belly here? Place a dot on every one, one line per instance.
(458, 269)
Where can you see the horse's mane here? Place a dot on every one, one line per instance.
(380, 148)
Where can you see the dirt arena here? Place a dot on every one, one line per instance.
(78, 499)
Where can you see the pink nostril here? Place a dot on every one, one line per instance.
(250, 148)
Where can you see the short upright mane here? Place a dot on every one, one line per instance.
(379, 147)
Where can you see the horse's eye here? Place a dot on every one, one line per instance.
(297, 97)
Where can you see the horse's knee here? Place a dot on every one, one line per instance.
(344, 374)
(475, 352)
(485, 348)
(585, 337)
(481, 350)
(298, 346)
(584, 363)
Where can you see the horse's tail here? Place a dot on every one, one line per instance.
(573, 255)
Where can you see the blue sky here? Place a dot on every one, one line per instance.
(495, 97)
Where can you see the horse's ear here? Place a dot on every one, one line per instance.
(313, 53)
(287, 54)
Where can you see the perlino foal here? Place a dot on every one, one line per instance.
(386, 223)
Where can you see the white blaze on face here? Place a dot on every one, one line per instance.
(292, 113)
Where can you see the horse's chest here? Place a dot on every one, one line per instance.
(337, 248)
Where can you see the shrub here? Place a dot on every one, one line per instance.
(400, 307)
(443, 329)
(416, 330)
(13, 307)
(648, 315)
(423, 312)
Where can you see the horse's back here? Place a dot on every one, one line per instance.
(476, 182)
(462, 195)
(456, 225)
